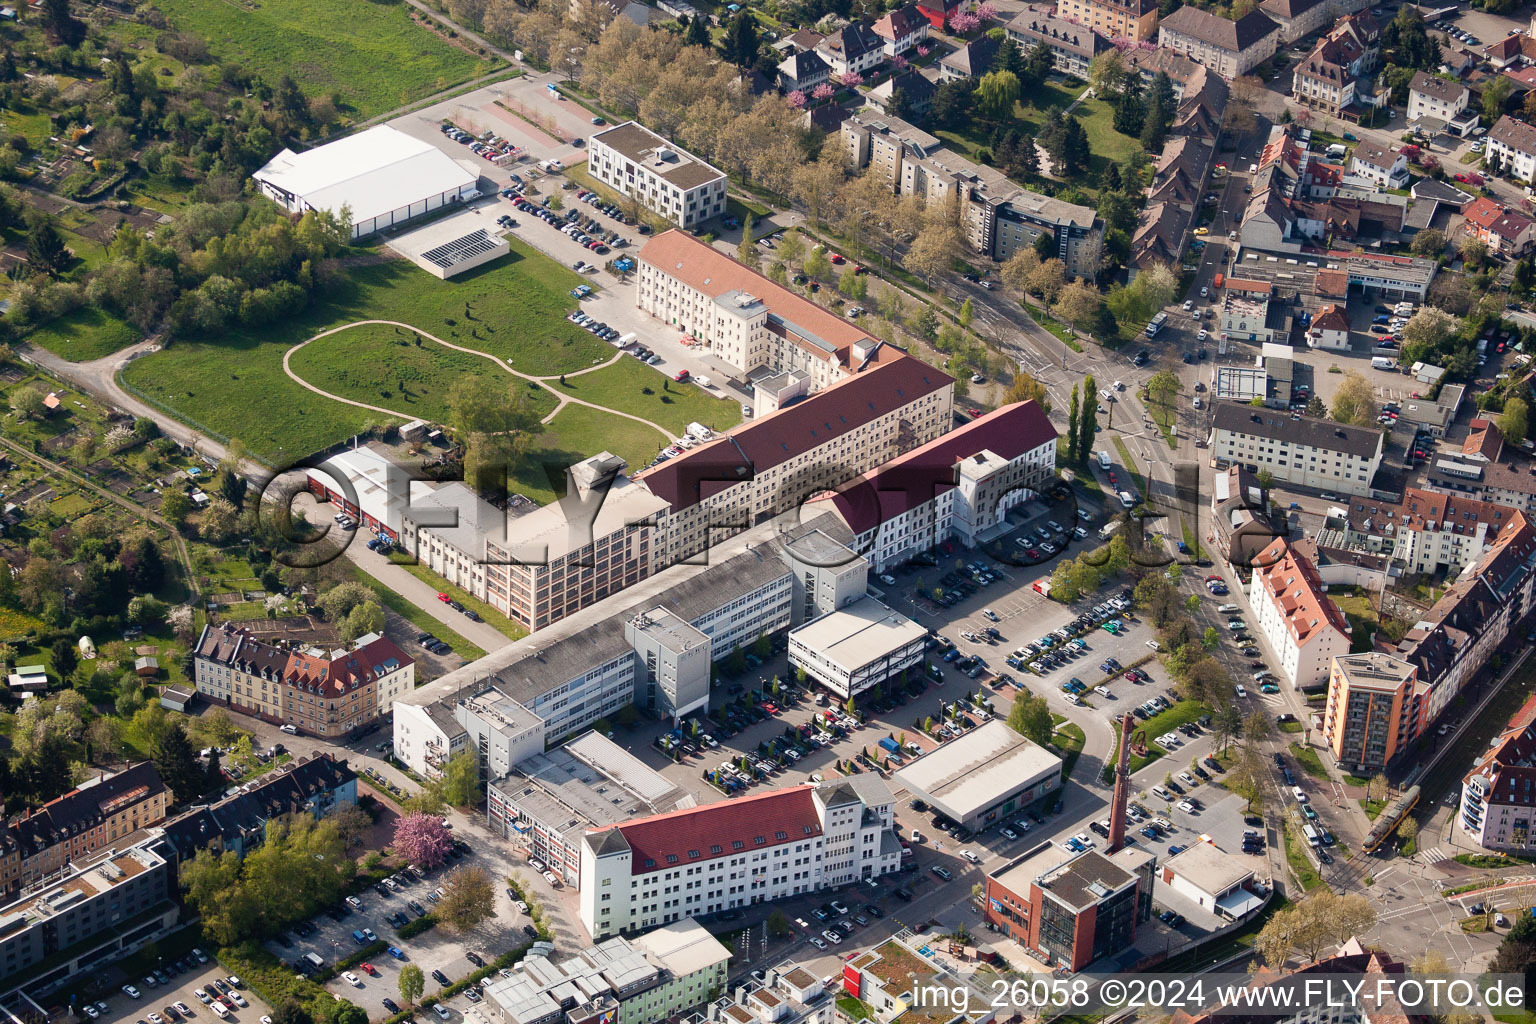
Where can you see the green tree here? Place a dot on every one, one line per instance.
(1514, 421)
(176, 762)
(1030, 717)
(497, 424)
(996, 94)
(1164, 388)
(1089, 420)
(28, 402)
(777, 924)
(1212, 638)
(46, 252)
(461, 779)
(175, 506)
(1354, 401)
(412, 984)
(66, 657)
(1073, 437)
(741, 43)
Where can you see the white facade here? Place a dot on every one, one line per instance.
(1436, 98)
(1304, 628)
(1512, 145)
(1306, 458)
(726, 855)
(667, 180)
(858, 647)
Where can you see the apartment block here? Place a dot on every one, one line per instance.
(324, 692)
(1073, 45)
(1229, 48)
(1440, 99)
(1372, 714)
(649, 977)
(1512, 149)
(1297, 450)
(1498, 796)
(656, 870)
(997, 216)
(664, 178)
(1135, 20)
(1292, 609)
(97, 912)
(104, 811)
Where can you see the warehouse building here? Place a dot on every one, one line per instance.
(381, 177)
(982, 778)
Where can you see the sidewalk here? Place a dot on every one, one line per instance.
(424, 597)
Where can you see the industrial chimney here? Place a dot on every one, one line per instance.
(1122, 786)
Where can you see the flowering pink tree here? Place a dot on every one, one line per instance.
(898, 62)
(985, 11)
(423, 839)
(824, 91)
(963, 23)
(850, 79)
(796, 100)
(923, 51)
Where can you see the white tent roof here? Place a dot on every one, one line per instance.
(375, 172)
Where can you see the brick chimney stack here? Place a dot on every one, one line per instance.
(1122, 787)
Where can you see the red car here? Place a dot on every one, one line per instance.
(681, 375)
(837, 259)
(975, 413)
(444, 598)
(770, 707)
(368, 968)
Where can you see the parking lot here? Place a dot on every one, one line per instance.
(164, 1002)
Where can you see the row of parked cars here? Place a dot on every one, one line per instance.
(487, 144)
(1060, 646)
(433, 644)
(592, 326)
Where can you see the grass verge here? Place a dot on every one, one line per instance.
(1310, 762)
(416, 617)
(1132, 467)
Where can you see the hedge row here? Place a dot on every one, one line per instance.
(368, 952)
(416, 927)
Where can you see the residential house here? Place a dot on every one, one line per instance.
(1072, 46)
(1382, 166)
(853, 48)
(1330, 328)
(1322, 82)
(803, 71)
(1512, 149)
(1513, 50)
(902, 30)
(937, 11)
(916, 91)
(1181, 71)
(1229, 48)
(1298, 450)
(972, 60)
(1506, 232)
(1298, 18)
(1135, 20)
(1434, 98)
(1291, 608)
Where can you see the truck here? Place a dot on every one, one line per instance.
(1108, 529)
(1156, 324)
(890, 746)
(1383, 363)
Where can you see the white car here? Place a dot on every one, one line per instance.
(1203, 334)
(1239, 690)
(352, 979)
(832, 937)
(1188, 779)
(970, 855)
(182, 1008)
(240, 999)
(1103, 691)
(1186, 807)
(889, 581)
(219, 1009)
(818, 943)
(130, 992)
(236, 981)
(202, 996)
(1189, 304)
(1204, 291)
(1154, 645)
(91, 1011)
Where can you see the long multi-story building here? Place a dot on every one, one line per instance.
(747, 320)
(552, 798)
(1293, 611)
(775, 463)
(1303, 451)
(97, 912)
(1428, 532)
(997, 216)
(620, 980)
(1135, 20)
(1073, 45)
(664, 178)
(656, 870)
(650, 646)
(102, 812)
(957, 487)
(322, 692)
(1373, 711)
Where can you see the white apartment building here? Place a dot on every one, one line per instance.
(620, 980)
(777, 462)
(1512, 146)
(1304, 628)
(667, 180)
(1302, 451)
(656, 870)
(744, 318)
(959, 486)
(1229, 48)
(1382, 166)
(642, 647)
(1434, 97)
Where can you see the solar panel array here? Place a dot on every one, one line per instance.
(472, 245)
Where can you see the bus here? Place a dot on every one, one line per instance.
(1157, 324)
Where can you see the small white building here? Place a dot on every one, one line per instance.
(857, 647)
(1512, 147)
(381, 177)
(1330, 328)
(1211, 877)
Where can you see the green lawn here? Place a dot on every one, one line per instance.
(416, 617)
(1131, 466)
(1296, 857)
(1309, 761)
(1107, 145)
(624, 384)
(1361, 616)
(368, 54)
(1169, 721)
(87, 333)
(384, 366)
(578, 432)
(468, 600)
(234, 385)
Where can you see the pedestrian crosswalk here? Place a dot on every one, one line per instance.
(1434, 855)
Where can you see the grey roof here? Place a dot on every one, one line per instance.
(1374, 154)
(803, 64)
(1238, 418)
(1057, 33)
(1084, 881)
(1288, 9)
(974, 58)
(1235, 36)
(1517, 135)
(1433, 85)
